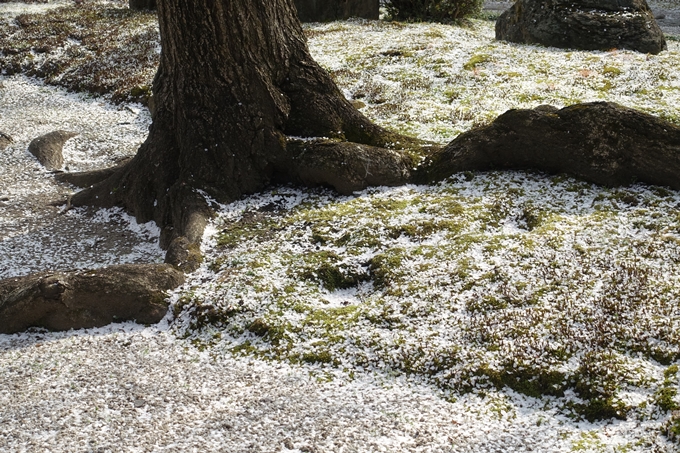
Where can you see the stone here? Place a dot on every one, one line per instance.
(328, 10)
(600, 142)
(48, 148)
(87, 298)
(582, 24)
(142, 4)
(5, 140)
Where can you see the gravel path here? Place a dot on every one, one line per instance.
(134, 389)
(34, 234)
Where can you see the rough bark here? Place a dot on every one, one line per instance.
(89, 178)
(88, 298)
(600, 142)
(347, 166)
(235, 81)
(184, 255)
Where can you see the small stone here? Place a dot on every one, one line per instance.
(139, 403)
(5, 140)
(48, 148)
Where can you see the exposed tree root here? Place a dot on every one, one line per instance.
(87, 298)
(600, 142)
(85, 179)
(347, 166)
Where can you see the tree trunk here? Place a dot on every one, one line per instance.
(235, 82)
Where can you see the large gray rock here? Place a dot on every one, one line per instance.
(600, 142)
(582, 24)
(48, 149)
(87, 298)
(327, 10)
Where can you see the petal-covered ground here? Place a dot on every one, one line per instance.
(505, 311)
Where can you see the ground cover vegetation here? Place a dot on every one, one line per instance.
(554, 288)
(85, 47)
(547, 285)
(429, 80)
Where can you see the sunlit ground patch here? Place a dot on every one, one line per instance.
(549, 286)
(436, 81)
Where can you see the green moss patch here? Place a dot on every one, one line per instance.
(544, 285)
(109, 50)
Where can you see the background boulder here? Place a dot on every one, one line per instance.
(582, 24)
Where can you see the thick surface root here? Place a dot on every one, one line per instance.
(599, 142)
(87, 298)
(346, 166)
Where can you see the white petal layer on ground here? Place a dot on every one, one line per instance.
(36, 236)
(127, 388)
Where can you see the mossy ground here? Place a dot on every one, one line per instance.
(100, 48)
(546, 285)
(436, 81)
